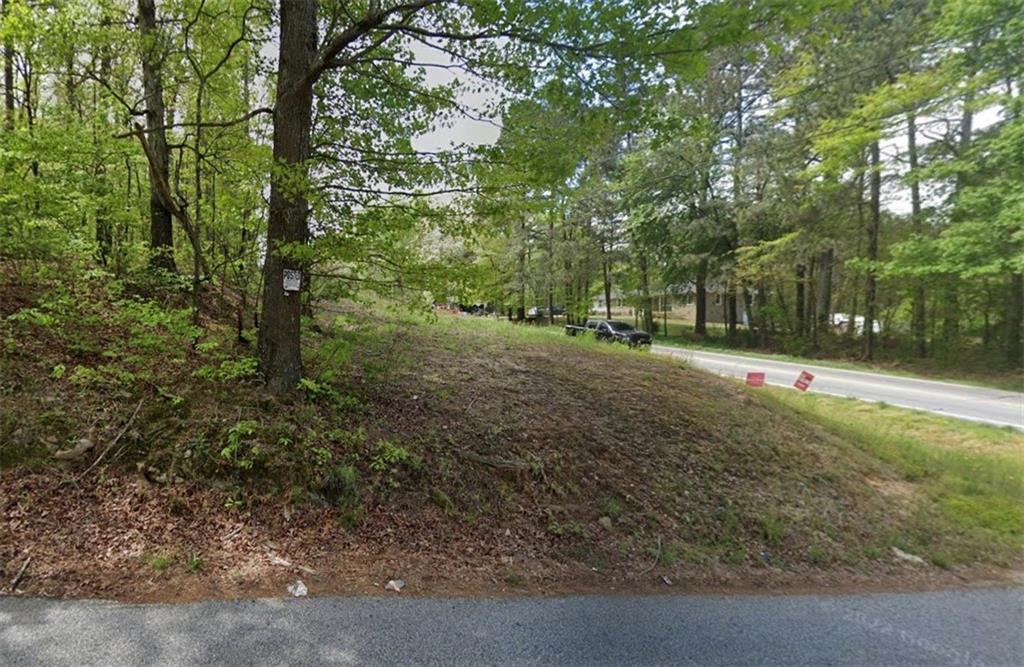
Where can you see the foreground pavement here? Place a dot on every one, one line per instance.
(990, 406)
(975, 627)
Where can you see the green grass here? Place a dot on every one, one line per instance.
(158, 561)
(969, 477)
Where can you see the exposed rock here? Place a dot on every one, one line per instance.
(395, 585)
(76, 452)
(298, 589)
(605, 522)
(910, 558)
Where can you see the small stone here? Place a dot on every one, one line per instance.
(298, 589)
(395, 585)
(666, 581)
(910, 558)
(605, 522)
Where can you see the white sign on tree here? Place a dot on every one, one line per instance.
(292, 280)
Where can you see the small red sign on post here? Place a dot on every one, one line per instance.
(755, 379)
(804, 381)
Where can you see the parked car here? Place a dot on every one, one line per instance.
(537, 312)
(611, 331)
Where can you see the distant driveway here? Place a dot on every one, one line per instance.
(979, 404)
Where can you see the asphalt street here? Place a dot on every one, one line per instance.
(980, 404)
(971, 627)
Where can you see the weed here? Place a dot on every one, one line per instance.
(318, 392)
(234, 450)
(390, 455)
(194, 562)
(568, 529)
(816, 554)
(159, 561)
(441, 499)
(514, 579)
(773, 529)
(612, 508)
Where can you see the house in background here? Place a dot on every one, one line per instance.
(678, 301)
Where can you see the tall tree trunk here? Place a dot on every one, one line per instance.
(8, 76)
(761, 312)
(951, 298)
(551, 270)
(918, 317)
(1015, 320)
(607, 283)
(730, 309)
(801, 300)
(700, 323)
(646, 303)
(161, 233)
(874, 228)
(824, 306)
(279, 337)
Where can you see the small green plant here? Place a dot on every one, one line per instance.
(441, 499)
(612, 508)
(513, 578)
(322, 457)
(194, 562)
(773, 529)
(342, 437)
(236, 450)
(230, 370)
(318, 392)
(158, 562)
(568, 529)
(341, 486)
(58, 371)
(816, 554)
(390, 455)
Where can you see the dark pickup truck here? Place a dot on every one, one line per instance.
(611, 330)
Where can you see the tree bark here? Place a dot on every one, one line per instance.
(700, 323)
(918, 317)
(8, 76)
(824, 306)
(801, 300)
(874, 228)
(279, 337)
(1015, 321)
(607, 284)
(646, 304)
(951, 298)
(161, 232)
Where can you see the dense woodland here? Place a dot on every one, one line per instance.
(804, 158)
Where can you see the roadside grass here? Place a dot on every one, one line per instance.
(969, 477)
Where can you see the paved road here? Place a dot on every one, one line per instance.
(991, 406)
(980, 627)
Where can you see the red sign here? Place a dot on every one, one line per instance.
(804, 381)
(755, 379)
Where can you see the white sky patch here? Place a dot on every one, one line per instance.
(896, 193)
(461, 129)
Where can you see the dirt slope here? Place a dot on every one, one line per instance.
(460, 455)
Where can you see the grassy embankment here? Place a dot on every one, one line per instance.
(459, 453)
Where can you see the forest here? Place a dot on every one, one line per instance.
(797, 159)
